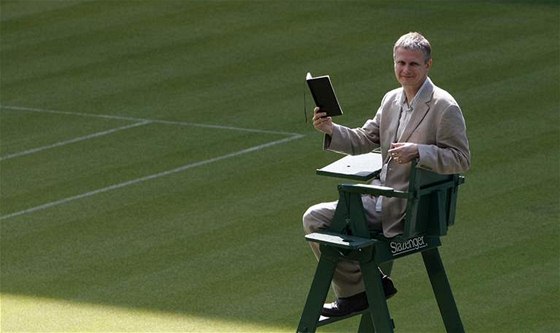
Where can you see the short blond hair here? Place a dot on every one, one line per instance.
(414, 41)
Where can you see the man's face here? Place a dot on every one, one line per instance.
(410, 68)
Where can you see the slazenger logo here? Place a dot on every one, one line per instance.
(412, 244)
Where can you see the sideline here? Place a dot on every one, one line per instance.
(74, 140)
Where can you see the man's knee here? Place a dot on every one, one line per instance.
(318, 217)
(309, 221)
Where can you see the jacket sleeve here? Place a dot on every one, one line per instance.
(355, 141)
(451, 153)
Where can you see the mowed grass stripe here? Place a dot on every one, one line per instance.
(140, 61)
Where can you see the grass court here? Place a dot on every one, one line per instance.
(155, 161)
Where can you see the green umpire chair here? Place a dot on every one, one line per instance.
(431, 203)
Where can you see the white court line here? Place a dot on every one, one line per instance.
(149, 177)
(140, 121)
(74, 140)
(168, 122)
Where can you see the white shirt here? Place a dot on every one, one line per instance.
(405, 115)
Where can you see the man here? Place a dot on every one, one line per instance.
(416, 121)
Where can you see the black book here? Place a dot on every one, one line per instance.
(323, 94)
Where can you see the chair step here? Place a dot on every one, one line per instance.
(329, 320)
(340, 240)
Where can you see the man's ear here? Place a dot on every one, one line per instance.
(429, 64)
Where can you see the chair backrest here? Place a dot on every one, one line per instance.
(431, 204)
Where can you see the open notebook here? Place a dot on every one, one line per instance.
(357, 167)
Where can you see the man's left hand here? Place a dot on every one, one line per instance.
(403, 152)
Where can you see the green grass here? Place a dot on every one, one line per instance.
(161, 224)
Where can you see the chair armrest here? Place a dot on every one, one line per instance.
(373, 190)
(445, 185)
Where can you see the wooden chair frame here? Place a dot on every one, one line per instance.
(431, 205)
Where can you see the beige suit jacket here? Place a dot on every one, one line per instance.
(436, 125)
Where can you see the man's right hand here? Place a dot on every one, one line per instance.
(321, 122)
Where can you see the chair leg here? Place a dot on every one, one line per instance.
(442, 291)
(366, 324)
(387, 267)
(379, 310)
(317, 295)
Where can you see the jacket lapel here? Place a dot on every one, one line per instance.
(421, 108)
(390, 122)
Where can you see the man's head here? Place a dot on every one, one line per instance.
(412, 55)
(414, 41)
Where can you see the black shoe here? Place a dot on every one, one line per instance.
(347, 305)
